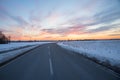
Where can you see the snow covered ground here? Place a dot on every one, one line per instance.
(11, 54)
(14, 45)
(103, 50)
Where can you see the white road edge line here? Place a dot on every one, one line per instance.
(50, 62)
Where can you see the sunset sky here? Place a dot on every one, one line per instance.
(60, 19)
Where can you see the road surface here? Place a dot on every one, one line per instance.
(51, 62)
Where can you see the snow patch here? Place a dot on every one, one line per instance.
(14, 45)
(102, 50)
(11, 54)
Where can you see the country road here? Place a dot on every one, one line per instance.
(51, 62)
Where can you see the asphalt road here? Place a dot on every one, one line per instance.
(51, 62)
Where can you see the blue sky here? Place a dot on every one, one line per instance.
(64, 19)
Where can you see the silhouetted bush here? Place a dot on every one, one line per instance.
(3, 38)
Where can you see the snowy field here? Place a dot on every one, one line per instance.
(14, 45)
(103, 50)
(11, 54)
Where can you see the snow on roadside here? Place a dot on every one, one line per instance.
(14, 45)
(11, 54)
(6, 56)
(102, 50)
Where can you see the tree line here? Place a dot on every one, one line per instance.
(4, 39)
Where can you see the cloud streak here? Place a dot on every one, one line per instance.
(76, 29)
(107, 16)
(114, 34)
(18, 19)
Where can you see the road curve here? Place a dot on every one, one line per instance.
(51, 62)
